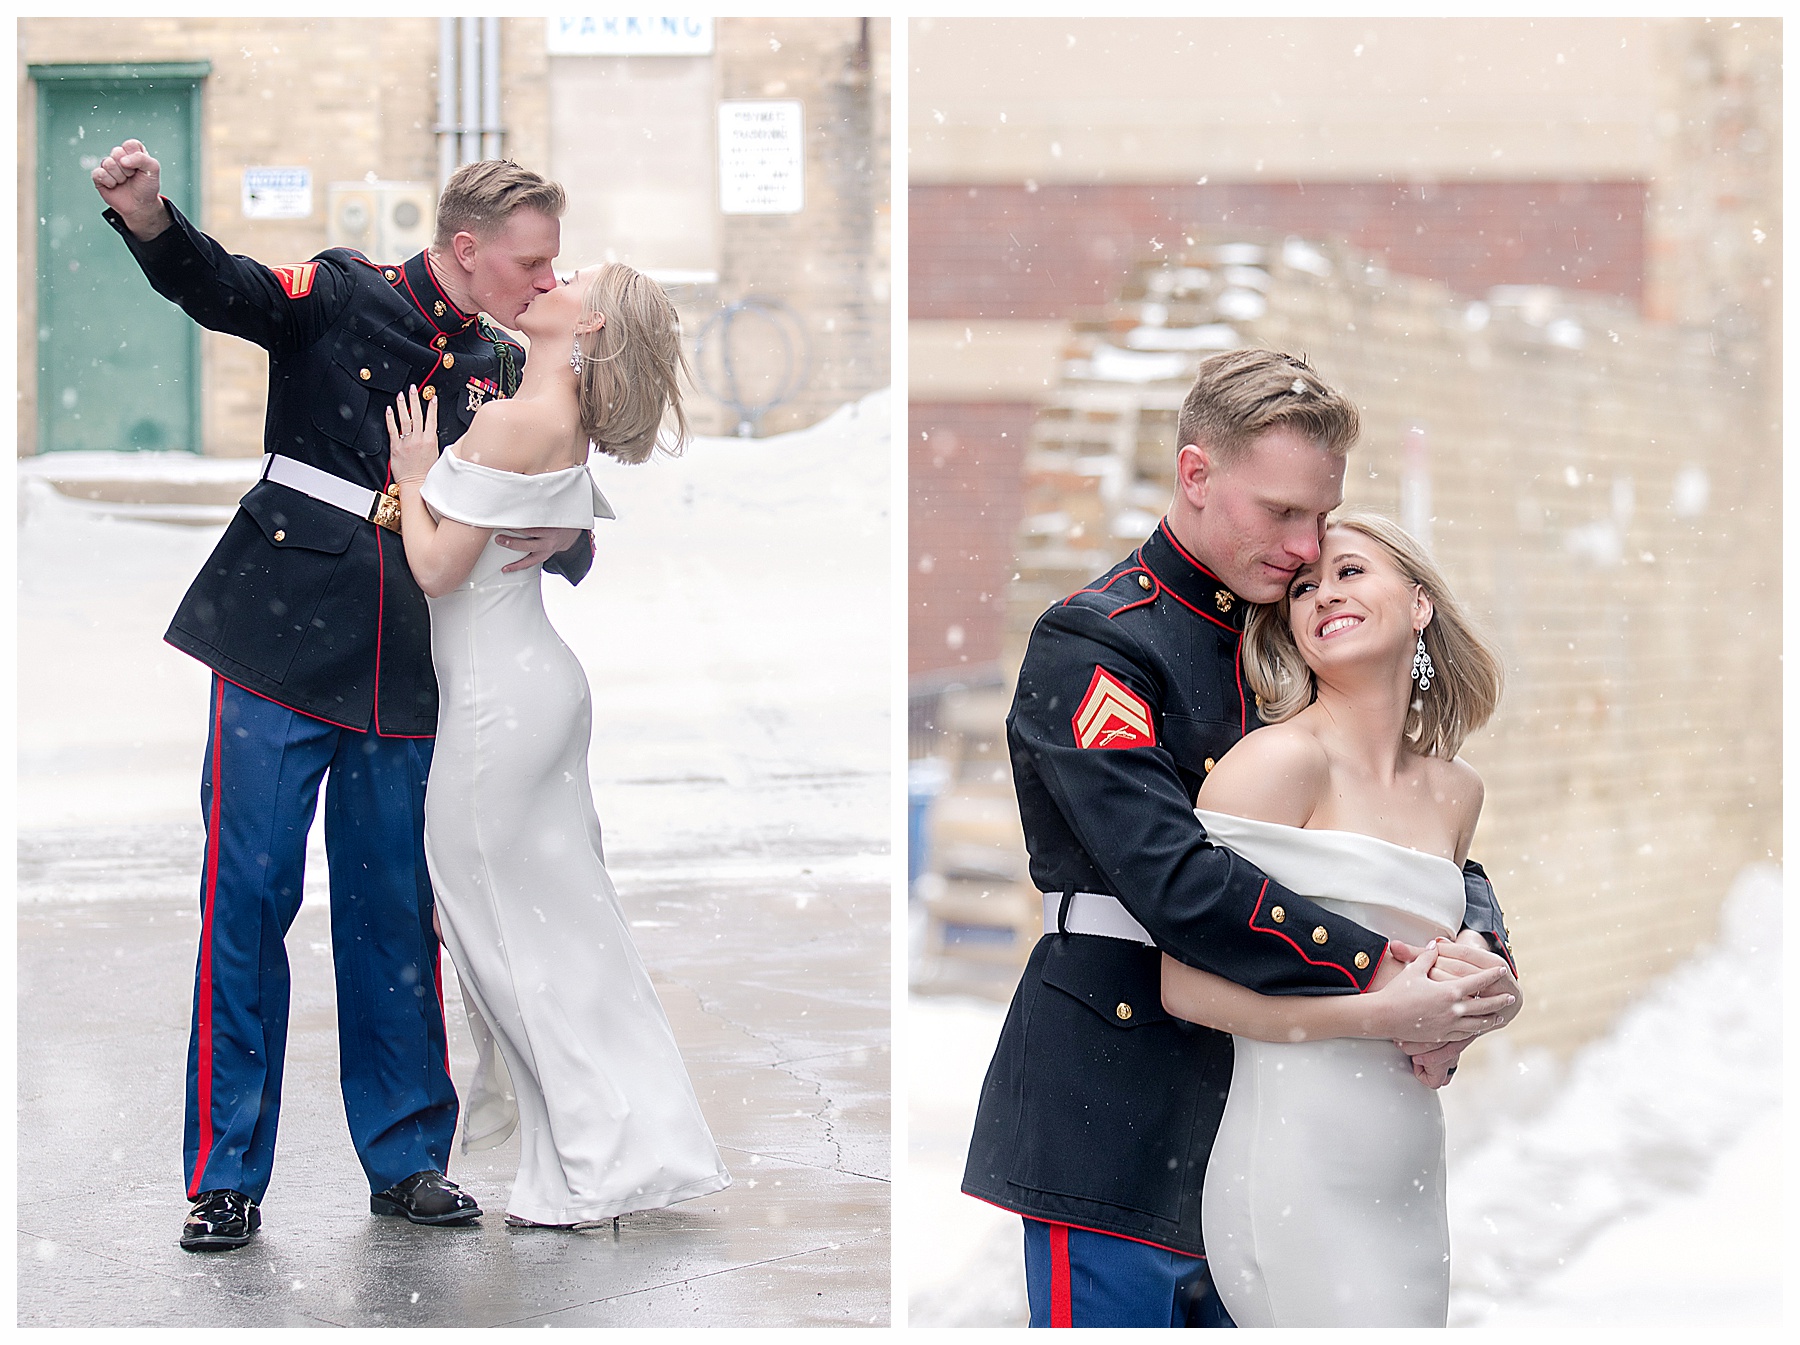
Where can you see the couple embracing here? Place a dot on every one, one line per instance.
(1213, 1100)
(372, 615)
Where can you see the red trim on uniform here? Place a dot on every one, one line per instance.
(380, 602)
(1296, 947)
(1200, 611)
(1062, 1308)
(1164, 528)
(448, 301)
(1385, 950)
(373, 266)
(308, 713)
(1108, 584)
(1104, 1232)
(1237, 662)
(437, 972)
(204, 992)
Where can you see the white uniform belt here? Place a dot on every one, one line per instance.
(1094, 913)
(309, 480)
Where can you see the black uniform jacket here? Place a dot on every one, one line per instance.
(1099, 1109)
(302, 602)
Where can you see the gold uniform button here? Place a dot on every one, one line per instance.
(365, 375)
(1124, 1012)
(281, 534)
(1277, 914)
(428, 392)
(1319, 934)
(449, 361)
(1362, 961)
(388, 274)
(1144, 581)
(1210, 763)
(440, 342)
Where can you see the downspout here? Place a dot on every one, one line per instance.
(446, 127)
(490, 89)
(470, 148)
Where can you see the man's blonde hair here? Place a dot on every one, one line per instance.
(1242, 394)
(1465, 688)
(632, 367)
(480, 196)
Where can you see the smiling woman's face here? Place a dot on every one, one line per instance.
(1354, 603)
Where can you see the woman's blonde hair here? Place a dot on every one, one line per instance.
(1465, 688)
(632, 366)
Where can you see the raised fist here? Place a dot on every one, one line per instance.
(130, 181)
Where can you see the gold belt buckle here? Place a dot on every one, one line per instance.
(387, 510)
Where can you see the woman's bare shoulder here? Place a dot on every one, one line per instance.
(1457, 788)
(1276, 774)
(514, 437)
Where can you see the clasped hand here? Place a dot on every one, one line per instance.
(1444, 996)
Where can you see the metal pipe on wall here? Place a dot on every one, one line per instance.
(446, 127)
(490, 89)
(470, 148)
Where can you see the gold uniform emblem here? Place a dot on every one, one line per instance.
(438, 308)
(1224, 600)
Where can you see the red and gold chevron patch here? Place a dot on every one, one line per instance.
(296, 280)
(1112, 715)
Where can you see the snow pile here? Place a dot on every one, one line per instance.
(1637, 1118)
(1633, 1184)
(735, 631)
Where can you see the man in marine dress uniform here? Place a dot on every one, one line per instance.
(1099, 1109)
(319, 640)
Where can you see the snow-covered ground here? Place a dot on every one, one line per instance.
(1638, 1184)
(735, 630)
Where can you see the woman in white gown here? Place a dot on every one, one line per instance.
(1323, 1203)
(559, 1003)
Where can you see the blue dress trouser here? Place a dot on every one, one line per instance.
(258, 792)
(1077, 1277)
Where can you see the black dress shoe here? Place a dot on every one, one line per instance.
(219, 1221)
(426, 1198)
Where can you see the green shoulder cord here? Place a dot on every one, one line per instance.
(503, 350)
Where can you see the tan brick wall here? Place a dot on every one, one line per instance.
(350, 97)
(830, 261)
(1634, 766)
(345, 97)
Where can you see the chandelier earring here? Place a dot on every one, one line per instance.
(1422, 670)
(575, 358)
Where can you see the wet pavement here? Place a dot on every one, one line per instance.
(773, 969)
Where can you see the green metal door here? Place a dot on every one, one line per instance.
(118, 365)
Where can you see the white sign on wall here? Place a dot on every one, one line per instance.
(623, 35)
(278, 193)
(762, 157)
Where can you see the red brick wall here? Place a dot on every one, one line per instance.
(964, 461)
(1010, 252)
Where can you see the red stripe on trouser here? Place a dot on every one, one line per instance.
(1062, 1311)
(203, 991)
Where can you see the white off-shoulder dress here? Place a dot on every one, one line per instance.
(574, 1048)
(1324, 1196)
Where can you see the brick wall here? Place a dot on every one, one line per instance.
(1602, 494)
(829, 262)
(350, 97)
(963, 465)
(1011, 251)
(347, 97)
